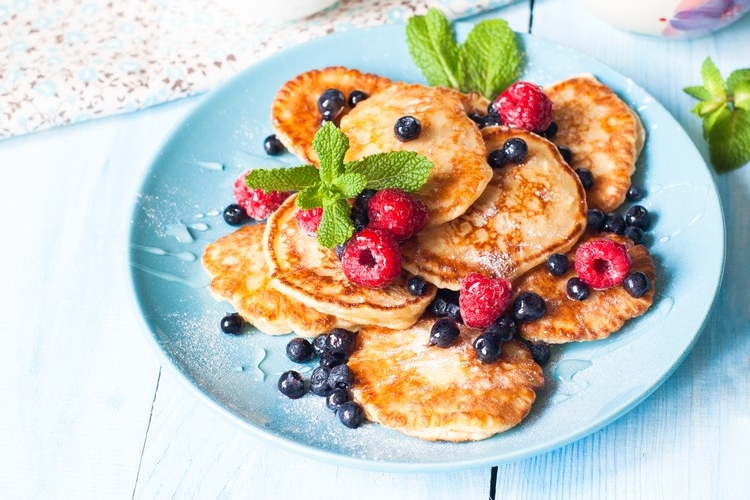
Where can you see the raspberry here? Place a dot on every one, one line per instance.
(602, 263)
(482, 300)
(257, 203)
(397, 212)
(372, 258)
(309, 220)
(525, 105)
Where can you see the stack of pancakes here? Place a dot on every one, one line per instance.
(502, 223)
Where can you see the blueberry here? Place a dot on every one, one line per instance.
(500, 331)
(634, 193)
(319, 381)
(330, 103)
(273, 145)
(492, 113)
(488, 347)
(595, 220)
(614, 223)
(339, 250)
(550, 132)
(319, 344)
(491, 121)
(299, 350)
(634, 233)
(359, 218)
(340, 341)
(291, 384)
(637, 216)
(340, 377)
(235, 215)
(477, 118)
(444, 332)
(362, 201)
(577, 289)
(232, 323)
(329, 359)
(417, 286)
(355, 97)
(496, 158)
(506, 327)
(586, 177)
(540, 352)
(636, 284)
(351, 414)
(444, 299)
(557, 264)
(336, 398)
(515, 150)
(407, 128)
(529, 306)
(566, 153)
(454, 312)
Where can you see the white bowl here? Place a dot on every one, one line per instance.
(669, 18)
(273, 11)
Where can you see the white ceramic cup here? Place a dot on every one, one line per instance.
(669, 18)
(273, 11)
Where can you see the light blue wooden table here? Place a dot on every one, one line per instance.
(88, 412)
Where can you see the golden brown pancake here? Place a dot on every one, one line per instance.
(604, 134)
(527, 212)
(239, 275)
(306, 271)
(449, 138)
(294, 112)
(433, 393)
(596, 317)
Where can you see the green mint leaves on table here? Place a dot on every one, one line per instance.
(725, 110)
(487, 62)
(335, 182)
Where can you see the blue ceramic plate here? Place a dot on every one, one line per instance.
(178, 212)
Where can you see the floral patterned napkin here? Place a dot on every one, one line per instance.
(67, 61)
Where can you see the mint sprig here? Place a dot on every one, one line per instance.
(335, 181)
(487, 62)
(724, 108)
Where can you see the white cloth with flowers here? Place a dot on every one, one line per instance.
(67, 61)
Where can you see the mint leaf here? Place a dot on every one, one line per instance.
(433, 48)
(283, 179)
(331, 144)
(729, 140)
(336, 182)
(350, 184)
(725, 110)
(742, 95)
(698, 91)
(490, 58)
(712, 80)
(310, 197)
(405, 170)
(336, 225)
(737, 77)
(710, 119)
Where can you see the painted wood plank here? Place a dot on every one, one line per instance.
(78, 376)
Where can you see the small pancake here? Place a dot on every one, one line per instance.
(303, 269)
(433, 393)
(527, 212)
(600, 314)
(449, 138)
(239, 275)
(604, 134)
(295, 118)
